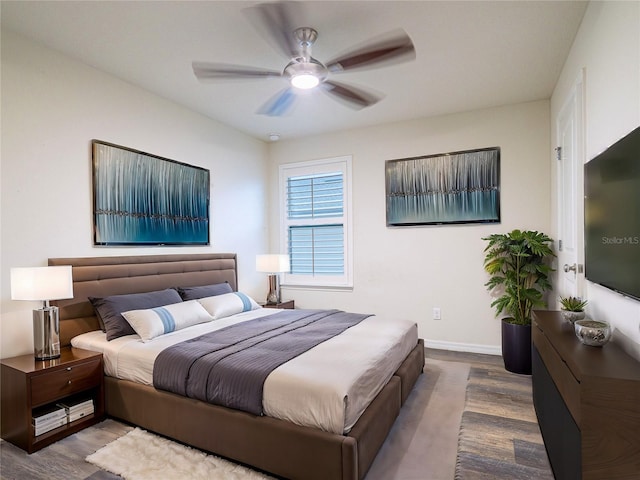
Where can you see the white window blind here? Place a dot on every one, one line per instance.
(315, 196)
(316, 250)
(315, 221)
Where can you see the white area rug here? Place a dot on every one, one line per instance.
(140, 455)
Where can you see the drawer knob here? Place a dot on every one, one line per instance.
(69, 369)
(69, 382)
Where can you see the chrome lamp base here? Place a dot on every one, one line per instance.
(46, 333)
(274, 290)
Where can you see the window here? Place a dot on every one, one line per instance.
(316, 221)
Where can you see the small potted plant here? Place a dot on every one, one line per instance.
(572, 308)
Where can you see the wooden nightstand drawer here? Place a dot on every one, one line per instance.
(53, 385)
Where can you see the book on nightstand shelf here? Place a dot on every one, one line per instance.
(78, 410)
(49, 419)
(50, 425)
(53, 413)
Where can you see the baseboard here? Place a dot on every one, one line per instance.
(464, 347)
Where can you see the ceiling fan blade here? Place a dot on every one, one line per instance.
(276, 23)
(395, 47)
(351, 96)
(220, 71)
(279, 104)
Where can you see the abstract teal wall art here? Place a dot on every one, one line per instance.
(448, 188)
(144, 199)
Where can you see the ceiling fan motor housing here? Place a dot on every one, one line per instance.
(305, 71)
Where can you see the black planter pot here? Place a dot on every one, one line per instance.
(516, 347)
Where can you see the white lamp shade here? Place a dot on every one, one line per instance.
(272, 263)
(42, 283)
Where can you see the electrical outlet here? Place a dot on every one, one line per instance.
(436, 313)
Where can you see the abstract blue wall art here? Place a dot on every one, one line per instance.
(458, 187)
(143, 199)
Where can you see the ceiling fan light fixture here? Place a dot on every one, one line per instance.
(305, 74)
(305, 81)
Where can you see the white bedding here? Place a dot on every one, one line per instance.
(327, 387)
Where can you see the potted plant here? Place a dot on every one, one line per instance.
(518, 266)
(572, 308)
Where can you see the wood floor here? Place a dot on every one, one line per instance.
(63, 459)
(499, 433)
(463, 357)
(422, 444)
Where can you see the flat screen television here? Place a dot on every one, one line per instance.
(612, 216)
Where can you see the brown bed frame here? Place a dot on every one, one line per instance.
(269, 444)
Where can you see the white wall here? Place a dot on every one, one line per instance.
(405, 272)
(607, 46)
(52, 107)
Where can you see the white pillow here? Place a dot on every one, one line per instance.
(153, 322)
(228, 304)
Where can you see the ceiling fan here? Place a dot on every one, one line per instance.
(276, 21)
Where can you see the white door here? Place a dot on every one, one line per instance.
(570, 159)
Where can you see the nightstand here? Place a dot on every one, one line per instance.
(32, 388)
(289, 304)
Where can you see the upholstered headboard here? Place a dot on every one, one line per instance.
(104, 276)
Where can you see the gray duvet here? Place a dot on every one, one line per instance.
(228, 367)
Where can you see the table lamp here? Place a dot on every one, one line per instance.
(274, 265)
(43, 284)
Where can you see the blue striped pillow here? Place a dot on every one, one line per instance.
(153, 322)
(228, 304)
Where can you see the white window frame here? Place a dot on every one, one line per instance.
(342, 164)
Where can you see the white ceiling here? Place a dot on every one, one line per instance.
(469, 55)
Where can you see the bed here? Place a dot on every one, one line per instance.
(276, 446)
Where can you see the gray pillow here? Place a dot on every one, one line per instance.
(195, 293)
(109, 309)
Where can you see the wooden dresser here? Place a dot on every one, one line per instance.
(587, 400)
